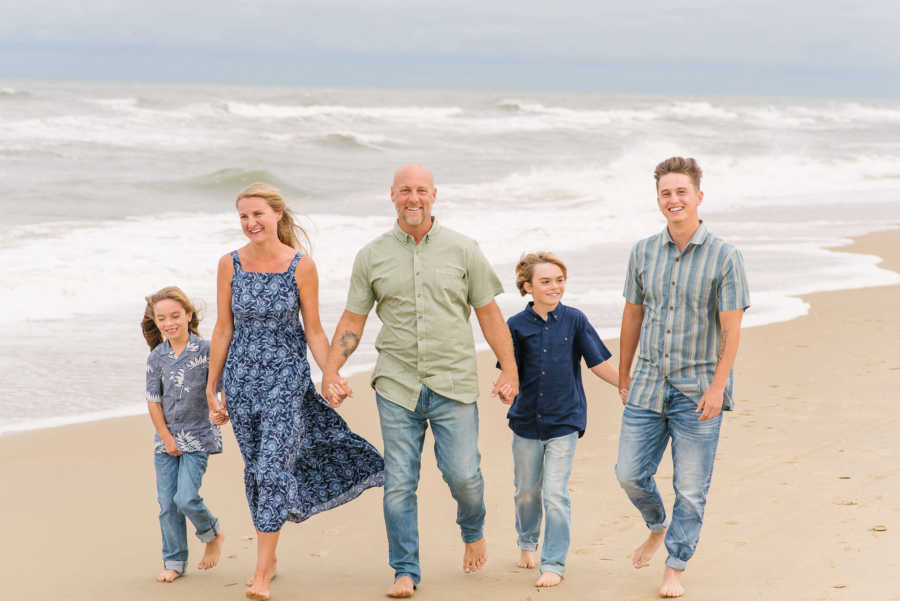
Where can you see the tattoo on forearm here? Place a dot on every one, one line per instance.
(723, 337)
(349, 342)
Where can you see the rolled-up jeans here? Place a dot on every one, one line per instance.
(178, 482)
(455, 429)
(542, 470)
(642, 441)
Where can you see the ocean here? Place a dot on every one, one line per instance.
(114, 190)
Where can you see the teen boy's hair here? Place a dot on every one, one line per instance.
(688, 167)
(525, 267)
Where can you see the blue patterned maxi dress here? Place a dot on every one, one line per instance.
(300, 458)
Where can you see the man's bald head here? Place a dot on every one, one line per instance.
(413, 172)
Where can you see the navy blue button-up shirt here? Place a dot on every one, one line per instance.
(551, 399)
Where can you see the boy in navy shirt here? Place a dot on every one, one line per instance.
(550, 412)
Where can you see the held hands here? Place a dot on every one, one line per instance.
(710, 403)
(506, 387)
(218, 409)
(335, 389)
(624, 386)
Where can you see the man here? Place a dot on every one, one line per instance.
(424, 278)
(685, 294)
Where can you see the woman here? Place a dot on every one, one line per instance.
(299, 456)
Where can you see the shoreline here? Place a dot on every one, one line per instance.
(803, 506)
(138, 409)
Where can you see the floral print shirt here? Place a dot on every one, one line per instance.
(178, 383)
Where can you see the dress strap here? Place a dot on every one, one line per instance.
(236, 261)
(294, 262)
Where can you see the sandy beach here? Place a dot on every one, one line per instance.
(805, 499)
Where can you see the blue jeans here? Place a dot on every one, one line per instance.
(455, 429)
(177, 484)
(644, 437)
(542, 470)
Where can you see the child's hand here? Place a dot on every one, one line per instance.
(171, 447)
(218, 417)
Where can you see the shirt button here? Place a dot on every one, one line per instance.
(417, 273)
(543, 372)
(668, 331)
(677, 259)
(673, 282)
(667, 354)
(539, 416)
(545, 350)
(671, 307)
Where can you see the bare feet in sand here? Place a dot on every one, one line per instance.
(671, 584)
(475, 556)
(643, 554)
(548, 579)
(258, 587)
(526, 559)
(250, 580)
(211, 554)
(403, 587)
(167, 576)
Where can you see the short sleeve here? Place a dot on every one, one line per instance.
(154, 380)
(484, 284)
(634, 286)
(734, 292)
(589, 344)
(361, 297)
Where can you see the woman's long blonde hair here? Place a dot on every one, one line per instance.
(148, 324)
(288, 231)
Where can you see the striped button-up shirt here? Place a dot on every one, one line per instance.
(682, 293)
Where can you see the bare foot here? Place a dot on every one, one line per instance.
(526, 559)
(167, 576)
(548, 579)
(259, 586)
(403, 587)
(211, 554)
(643, 554)
(274, 571)
(475, 556)
(671, 584)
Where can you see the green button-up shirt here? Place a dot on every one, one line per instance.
(682, 293)
(424, 294)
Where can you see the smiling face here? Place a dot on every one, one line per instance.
(678, 200)
(172, 320)
(413, 194)
(546, 287)
(258, 220)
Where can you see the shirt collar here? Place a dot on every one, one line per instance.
(698, 238)
(551, 315)
(168, 347)
(402, 236)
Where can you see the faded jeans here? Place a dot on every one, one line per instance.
(455, 429)
(178, 482)
(642, 442)
(542, 470)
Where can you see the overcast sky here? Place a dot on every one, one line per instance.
(767, 47)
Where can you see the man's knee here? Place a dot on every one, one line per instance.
(629, 477)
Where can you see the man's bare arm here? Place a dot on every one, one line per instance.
(711, 402)
(496, 332)
(345, 340)
(632, 317)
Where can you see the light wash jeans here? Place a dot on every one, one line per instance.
(644, 437)
(542, 470)
(455, 429)
(178, 484)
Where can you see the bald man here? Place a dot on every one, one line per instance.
(424, 279)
